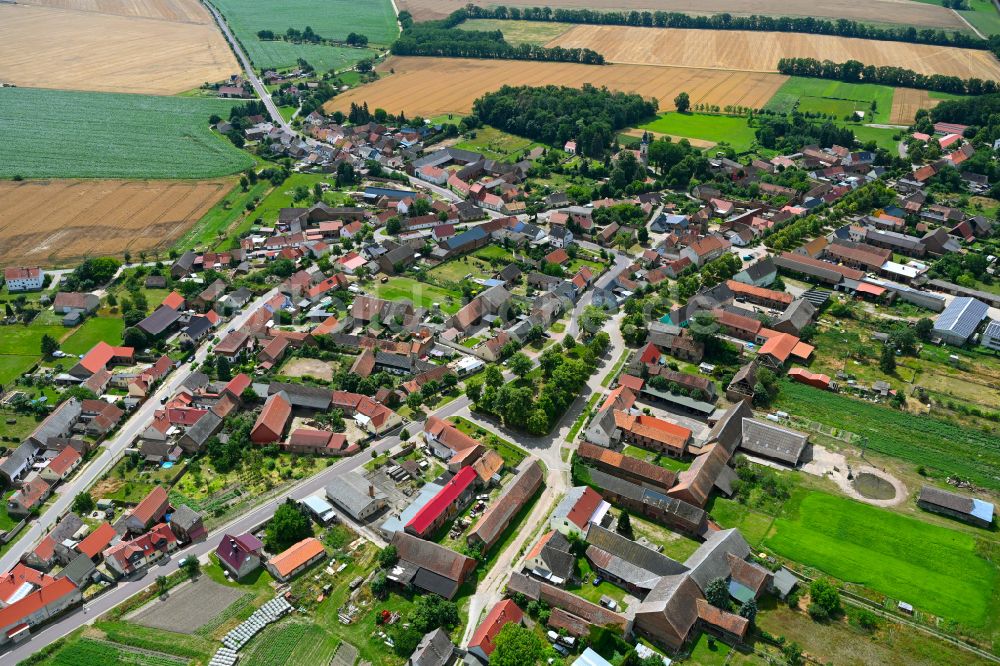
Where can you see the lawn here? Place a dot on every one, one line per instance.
(941, 446)
(592, 592)
(496, 144)
(481, 264)
(651, 456)
(704, 654)
(92, 331)
(729, 513)
(330, 19)
(283, 196)
(836, 97)
(421, 294)
(733, 130)
(512, 454)
(519, 32)
(13, 366)
(62, 134)
(937, 569)
(882, 136)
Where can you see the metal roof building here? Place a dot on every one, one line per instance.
(960, 320)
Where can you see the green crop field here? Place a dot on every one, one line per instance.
(720, 129)
(422, 295)
(84, 652)
(840, 99)
(60, 134)
(92, 331)
(935, 568)
(921, 440)
(981, 14)
(331, 19)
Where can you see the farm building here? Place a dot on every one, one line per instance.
(296, 559)
(960, 320)
(772, 441)
(968, 509)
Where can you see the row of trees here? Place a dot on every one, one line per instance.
(309, 36)
(434, 39)
(556, 114)
(809, 25)
(854, 71)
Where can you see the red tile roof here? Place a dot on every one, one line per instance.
(12, 581)
(440, 503)
(97, 541)
(271, 422)
(64, 461)
(31, 604)
(293, 558)
(101, 355)
(238, 384)
(584, 508)
(152, 506)
(559, 256)
(502, 613)
(653, 428)
(174, 301)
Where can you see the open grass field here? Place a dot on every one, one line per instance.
(73, 48)
(332, 19)
(13, 366)
(59, 222)
(496, 144)
(947, 448)
(840, 99)
(875, 11)
(213, 229)
(937, 569)
(717, 129)
(520, 32)
(431, 86)
(60, 134)
(92, 331)
(421, 294)
(760, 51)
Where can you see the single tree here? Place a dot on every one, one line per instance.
(682, 102)
(887, 361)
(49, 345)
(414, 400)
(83, 503)
(520, 364)
(161, 584)
(624, 526)
(516, 646)
(749, 610)
(717, 593)
(223, 369)
(288, 526)
(191, 566)
(388, 556)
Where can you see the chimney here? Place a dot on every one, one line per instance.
(371, 490)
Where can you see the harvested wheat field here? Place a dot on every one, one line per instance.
(61, 221)
(760, 51)
(906, 102)
(899, 12)
(169, 10)
(430, 86)
(51, 47)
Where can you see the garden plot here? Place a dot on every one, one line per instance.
(190, 607)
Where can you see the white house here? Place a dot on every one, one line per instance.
(19, 278)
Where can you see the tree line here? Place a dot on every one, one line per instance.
(756, 23)
(309, 36)
(440, 39)
(856, 72)
(557, 114)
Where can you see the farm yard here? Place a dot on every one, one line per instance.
(84, 217)
(331, 19)
(876, 11)
(432, 86)
(60, 134)
(74, 48)
(760, 51)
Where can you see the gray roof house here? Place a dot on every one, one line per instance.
(355, 495)
(434, 649)
(968, 509)
(770, 440)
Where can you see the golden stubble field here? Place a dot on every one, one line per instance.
(900, 12)
(760, 51)
(155, 47)
(906, 102)
(429, 86)
(58, 222)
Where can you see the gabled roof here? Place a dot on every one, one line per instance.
(21, 610)
(152, 505)
(504, 612)
(296, 556)
(97, 541)
(447, 496)
(773, 441)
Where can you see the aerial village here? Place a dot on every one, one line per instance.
(456, 402)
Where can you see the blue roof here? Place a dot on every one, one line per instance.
(375, 192)
(466, 237)
(962, 316)
(982, 510)
(426, 494)
(740, 592)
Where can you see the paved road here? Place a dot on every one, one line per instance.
(112, 449)
(249, 71)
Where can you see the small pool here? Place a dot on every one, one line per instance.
(167, 465)
(872, 486)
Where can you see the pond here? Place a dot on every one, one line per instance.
(872, 486)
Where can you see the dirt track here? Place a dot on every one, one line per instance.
(429, 86)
